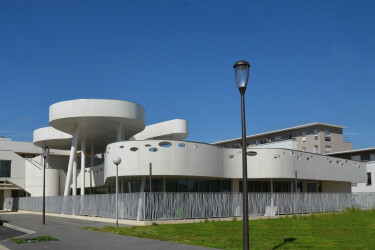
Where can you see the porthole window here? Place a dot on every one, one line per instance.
(133, 149)
(330, 161)
(231, 156)
(165, 144)
(153, 150)
(148, 145)
(308, 158)
(181, 145)
(122, 146)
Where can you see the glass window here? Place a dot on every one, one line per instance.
(369, 182)
(225, 186)
(328, 149)
(193, 185)
(203, 185)
(327, 135)
(311, 187)
(303, 136)
(372, 157)
(157, 185)
(215, 186)
(315, 134)
(182, 186)
(172, 185)
(316, 149)
(257, 142)
(5, 168)
(278, 138)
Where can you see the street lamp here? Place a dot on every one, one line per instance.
(45, 153)
(241, 69)
(116, 160)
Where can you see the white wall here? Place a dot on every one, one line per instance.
(362, 187)
(206, 160)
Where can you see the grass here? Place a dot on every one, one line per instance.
(43, 238)
(351, 229)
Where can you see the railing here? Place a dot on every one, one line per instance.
(167, 206)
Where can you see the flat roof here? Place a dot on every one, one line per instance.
(283, 130)
(352, 151)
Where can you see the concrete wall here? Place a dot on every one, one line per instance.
(363, 187)
(205, 160)
(17, 167)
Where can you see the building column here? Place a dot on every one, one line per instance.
(73, 152)
(121, 186)
(91, 165)
(143, 184)
(119, 133)
(75, 175)
(83, 165)
(235, 185)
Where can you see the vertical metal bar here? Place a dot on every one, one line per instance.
(44, 191)
(150, 177)
(116, 195)
(244, 174)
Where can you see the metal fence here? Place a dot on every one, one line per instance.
(167, 206)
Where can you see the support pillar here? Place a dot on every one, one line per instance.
(91, 165)
(73, 152)
(83, 165)
(75, 175)
(119, 133)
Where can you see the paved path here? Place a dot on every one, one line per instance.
(71, 236)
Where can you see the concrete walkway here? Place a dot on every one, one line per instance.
(71, 236)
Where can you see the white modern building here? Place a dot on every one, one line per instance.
(84, 136)
(367, 156)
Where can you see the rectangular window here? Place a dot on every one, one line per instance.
(311, 187)
(203, 186)
(315, 134)
(327, 135)
(215, 186)
(356, 158)
(278, 138)
(369, 179)
(316, 149)
(257, 142)
(372, 157)
(193, 185)
(303, 136)
(172, 185)
(182, 186)
(225, 186)
(328, 149)
(304, 149)
(5, 168)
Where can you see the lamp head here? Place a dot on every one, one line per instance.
(116, 160)
(45, 150)
(241, 71)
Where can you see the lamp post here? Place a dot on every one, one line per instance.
(45, 153)
(116, 160)
(241, 69)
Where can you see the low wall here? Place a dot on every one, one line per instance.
(168, 206)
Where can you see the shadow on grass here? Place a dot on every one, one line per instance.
(286, 240)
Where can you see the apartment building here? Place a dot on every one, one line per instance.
(319, 138)
(363, 155)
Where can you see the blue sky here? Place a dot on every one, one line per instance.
(310, 61)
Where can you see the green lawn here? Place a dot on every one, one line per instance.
(349, 230)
